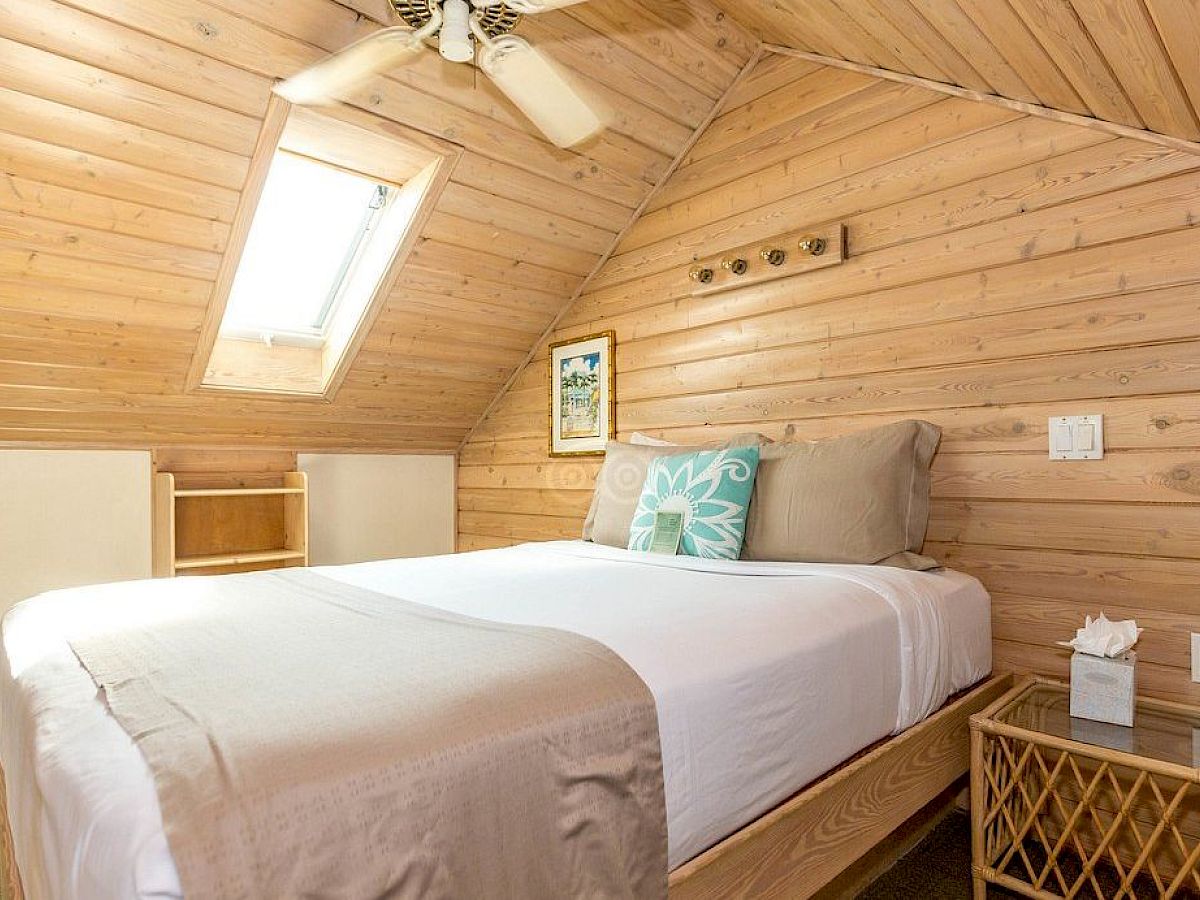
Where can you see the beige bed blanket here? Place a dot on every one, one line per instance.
(312, 739)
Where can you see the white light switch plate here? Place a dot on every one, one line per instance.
(1196, 657)
(1076, 437)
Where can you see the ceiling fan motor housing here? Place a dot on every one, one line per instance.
(495, 20)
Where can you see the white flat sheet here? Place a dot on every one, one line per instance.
(765, 676)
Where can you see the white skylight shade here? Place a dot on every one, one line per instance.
(309, 219)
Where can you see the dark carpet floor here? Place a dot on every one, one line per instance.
(939, 868)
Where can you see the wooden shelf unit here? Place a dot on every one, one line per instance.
(219, 530)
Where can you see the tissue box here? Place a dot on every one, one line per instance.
(1103, 689)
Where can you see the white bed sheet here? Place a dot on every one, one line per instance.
(765, 676)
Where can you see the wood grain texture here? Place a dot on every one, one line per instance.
(1165, 137)
(126, 135)
(1130, 62)
(1001, 269)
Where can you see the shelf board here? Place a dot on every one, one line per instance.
(237, 492)
(237, 559)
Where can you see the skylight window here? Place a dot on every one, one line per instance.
(332, 208)
(308, 246)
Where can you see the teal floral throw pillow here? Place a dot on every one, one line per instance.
(711, 488)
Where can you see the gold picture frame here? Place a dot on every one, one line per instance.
(582, 395)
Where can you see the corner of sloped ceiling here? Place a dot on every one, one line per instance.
(1132, 64)
(541, 343)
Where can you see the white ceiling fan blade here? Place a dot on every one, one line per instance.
(528, 7)
(345, 70)
(539, 90)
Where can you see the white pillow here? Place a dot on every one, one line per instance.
(644, 440)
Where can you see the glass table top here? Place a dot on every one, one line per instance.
(1166, 734)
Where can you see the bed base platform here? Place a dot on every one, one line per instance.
(799, 847)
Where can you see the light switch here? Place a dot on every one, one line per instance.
(1076, 437)
(1061, 438)
(1085, 437)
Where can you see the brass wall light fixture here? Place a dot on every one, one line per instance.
(766, 259)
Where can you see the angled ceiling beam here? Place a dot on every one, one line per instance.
(1032, 109)
(716, 110)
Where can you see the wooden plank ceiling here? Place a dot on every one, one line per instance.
(1133, 62)
(126, 127)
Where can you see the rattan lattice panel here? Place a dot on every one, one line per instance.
(1059, 818)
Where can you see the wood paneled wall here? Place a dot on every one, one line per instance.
(1001, 269)
(126, 129)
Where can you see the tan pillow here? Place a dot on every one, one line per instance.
(862, 498)
(619, 485)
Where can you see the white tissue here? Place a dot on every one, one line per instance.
(1101, 637)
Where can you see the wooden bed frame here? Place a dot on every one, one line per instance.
(10, 877)
(800, 846)
(796, 849)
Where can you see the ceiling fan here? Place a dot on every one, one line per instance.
(525, 76)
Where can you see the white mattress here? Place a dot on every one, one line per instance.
(765, 676)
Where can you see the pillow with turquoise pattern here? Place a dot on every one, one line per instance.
(711, 488)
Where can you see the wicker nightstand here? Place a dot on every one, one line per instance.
(1064, 807)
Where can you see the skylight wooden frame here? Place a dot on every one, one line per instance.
(439, 158)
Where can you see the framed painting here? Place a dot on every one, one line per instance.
(583, 399)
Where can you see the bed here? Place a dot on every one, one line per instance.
(765, 677)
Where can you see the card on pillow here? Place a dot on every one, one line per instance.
(711, 488)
